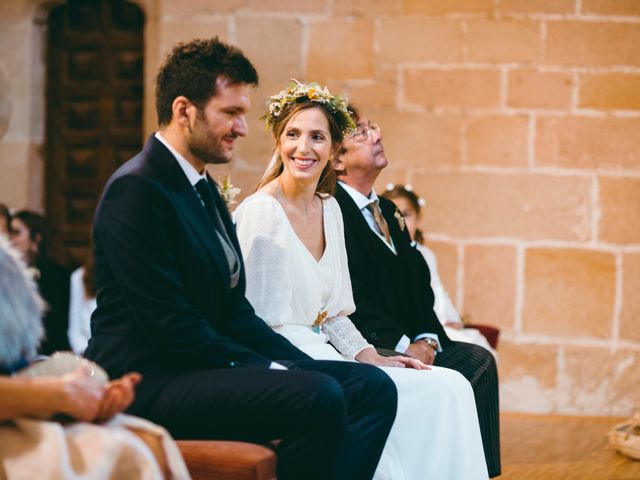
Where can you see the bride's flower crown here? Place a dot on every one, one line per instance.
(299, 92)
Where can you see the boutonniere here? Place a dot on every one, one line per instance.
(34, 272)
(228, 191)
(400, 219)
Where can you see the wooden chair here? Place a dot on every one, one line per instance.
(491, 333)
(225, 460)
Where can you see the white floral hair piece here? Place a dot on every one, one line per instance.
(313, 92)
(409, 188)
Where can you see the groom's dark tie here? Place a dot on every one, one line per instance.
(206, 195)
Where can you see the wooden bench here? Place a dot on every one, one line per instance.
(225, 460)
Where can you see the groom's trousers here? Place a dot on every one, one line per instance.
(333, 418)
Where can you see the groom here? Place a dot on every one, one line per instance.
(171, 295)
(391, 282)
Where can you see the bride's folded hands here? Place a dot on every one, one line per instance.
(369, 355)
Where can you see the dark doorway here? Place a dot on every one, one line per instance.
(94, 111)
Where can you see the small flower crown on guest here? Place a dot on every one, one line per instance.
(298, 92)
(406, 190)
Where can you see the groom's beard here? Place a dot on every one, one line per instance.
(207, 145)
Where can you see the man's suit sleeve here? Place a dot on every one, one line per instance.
(253, 332)
(370, 316)
(133, 232)
(424, 320)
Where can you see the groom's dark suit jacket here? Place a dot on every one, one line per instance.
(184, 316)
(392, 293)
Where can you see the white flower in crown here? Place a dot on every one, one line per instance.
(228, 191)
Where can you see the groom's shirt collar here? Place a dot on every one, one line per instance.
(192, 174)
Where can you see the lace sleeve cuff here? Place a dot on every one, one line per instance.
(344, 336)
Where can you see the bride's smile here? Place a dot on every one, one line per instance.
(302, 162)
(305, 144)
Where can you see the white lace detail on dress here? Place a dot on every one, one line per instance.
(344, 336)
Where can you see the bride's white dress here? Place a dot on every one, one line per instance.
(436, 433)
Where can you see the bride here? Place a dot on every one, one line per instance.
(292, 239)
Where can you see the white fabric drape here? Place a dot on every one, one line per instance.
(83, 451)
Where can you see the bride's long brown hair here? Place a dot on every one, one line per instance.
(327, 182)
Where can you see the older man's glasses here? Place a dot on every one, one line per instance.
(364, 131)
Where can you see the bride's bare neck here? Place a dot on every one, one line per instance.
(304, 211)
(293, 194)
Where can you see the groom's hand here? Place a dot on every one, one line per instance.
(422, 351)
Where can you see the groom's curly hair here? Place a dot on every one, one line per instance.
(192, 69)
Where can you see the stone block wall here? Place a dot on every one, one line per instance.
(517, 120)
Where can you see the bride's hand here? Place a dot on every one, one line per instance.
(407, 362)
(369, 355)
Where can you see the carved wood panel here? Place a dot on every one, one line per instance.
(94, 110)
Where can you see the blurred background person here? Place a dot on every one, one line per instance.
(5, 219)
(82, 303)
(410, 206)
(31, 236)
(33, 436)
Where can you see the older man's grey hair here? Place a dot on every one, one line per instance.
(21, 308)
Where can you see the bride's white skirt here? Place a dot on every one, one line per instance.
(436, 434)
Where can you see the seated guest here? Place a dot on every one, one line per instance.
(31, 442)
(171, 295)
(5, 220)
(291, 235)
(31, 236)
(82, 303)
(410, 207)
(391, 282)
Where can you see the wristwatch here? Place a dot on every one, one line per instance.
(431, 342)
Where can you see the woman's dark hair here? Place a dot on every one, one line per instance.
(400, 191)
(39, 232)
(192, 69)
(327, 182)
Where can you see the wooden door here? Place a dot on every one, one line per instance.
(94, 111)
